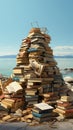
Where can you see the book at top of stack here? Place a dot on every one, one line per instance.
(66, 98)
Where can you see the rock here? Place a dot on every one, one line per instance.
(68, 79)
(68, 85)
(68, 69)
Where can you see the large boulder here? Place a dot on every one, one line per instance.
(68, 79)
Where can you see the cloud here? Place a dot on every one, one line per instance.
(63, 50)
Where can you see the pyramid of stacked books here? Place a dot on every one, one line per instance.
(36, 69)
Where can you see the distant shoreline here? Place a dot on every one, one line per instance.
(63, 56)
(14, 56)
(8, 56)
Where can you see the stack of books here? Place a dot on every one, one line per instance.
(13, 97)
(22, 57)
(50, 98)
(36, 67)
(7, 103)
(42, 112)
(18, 71)
(22, 60)
(65, 107)
(31, 96)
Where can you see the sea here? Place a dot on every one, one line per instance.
(7, 65)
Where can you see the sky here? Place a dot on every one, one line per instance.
(17, 17)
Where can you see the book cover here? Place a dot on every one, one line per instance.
(43, 106)
(43, 119)
(41, 115)
(37, 110)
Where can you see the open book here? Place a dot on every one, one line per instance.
(14, 87)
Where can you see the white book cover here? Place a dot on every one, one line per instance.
(43, 106)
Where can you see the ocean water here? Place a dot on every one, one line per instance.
(7, 64)
(63, 63)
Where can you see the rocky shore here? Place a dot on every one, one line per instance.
(69, 69)
(66, 70)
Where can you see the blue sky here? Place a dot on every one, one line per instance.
(16, 17)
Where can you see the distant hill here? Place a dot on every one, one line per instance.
(8, 56)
